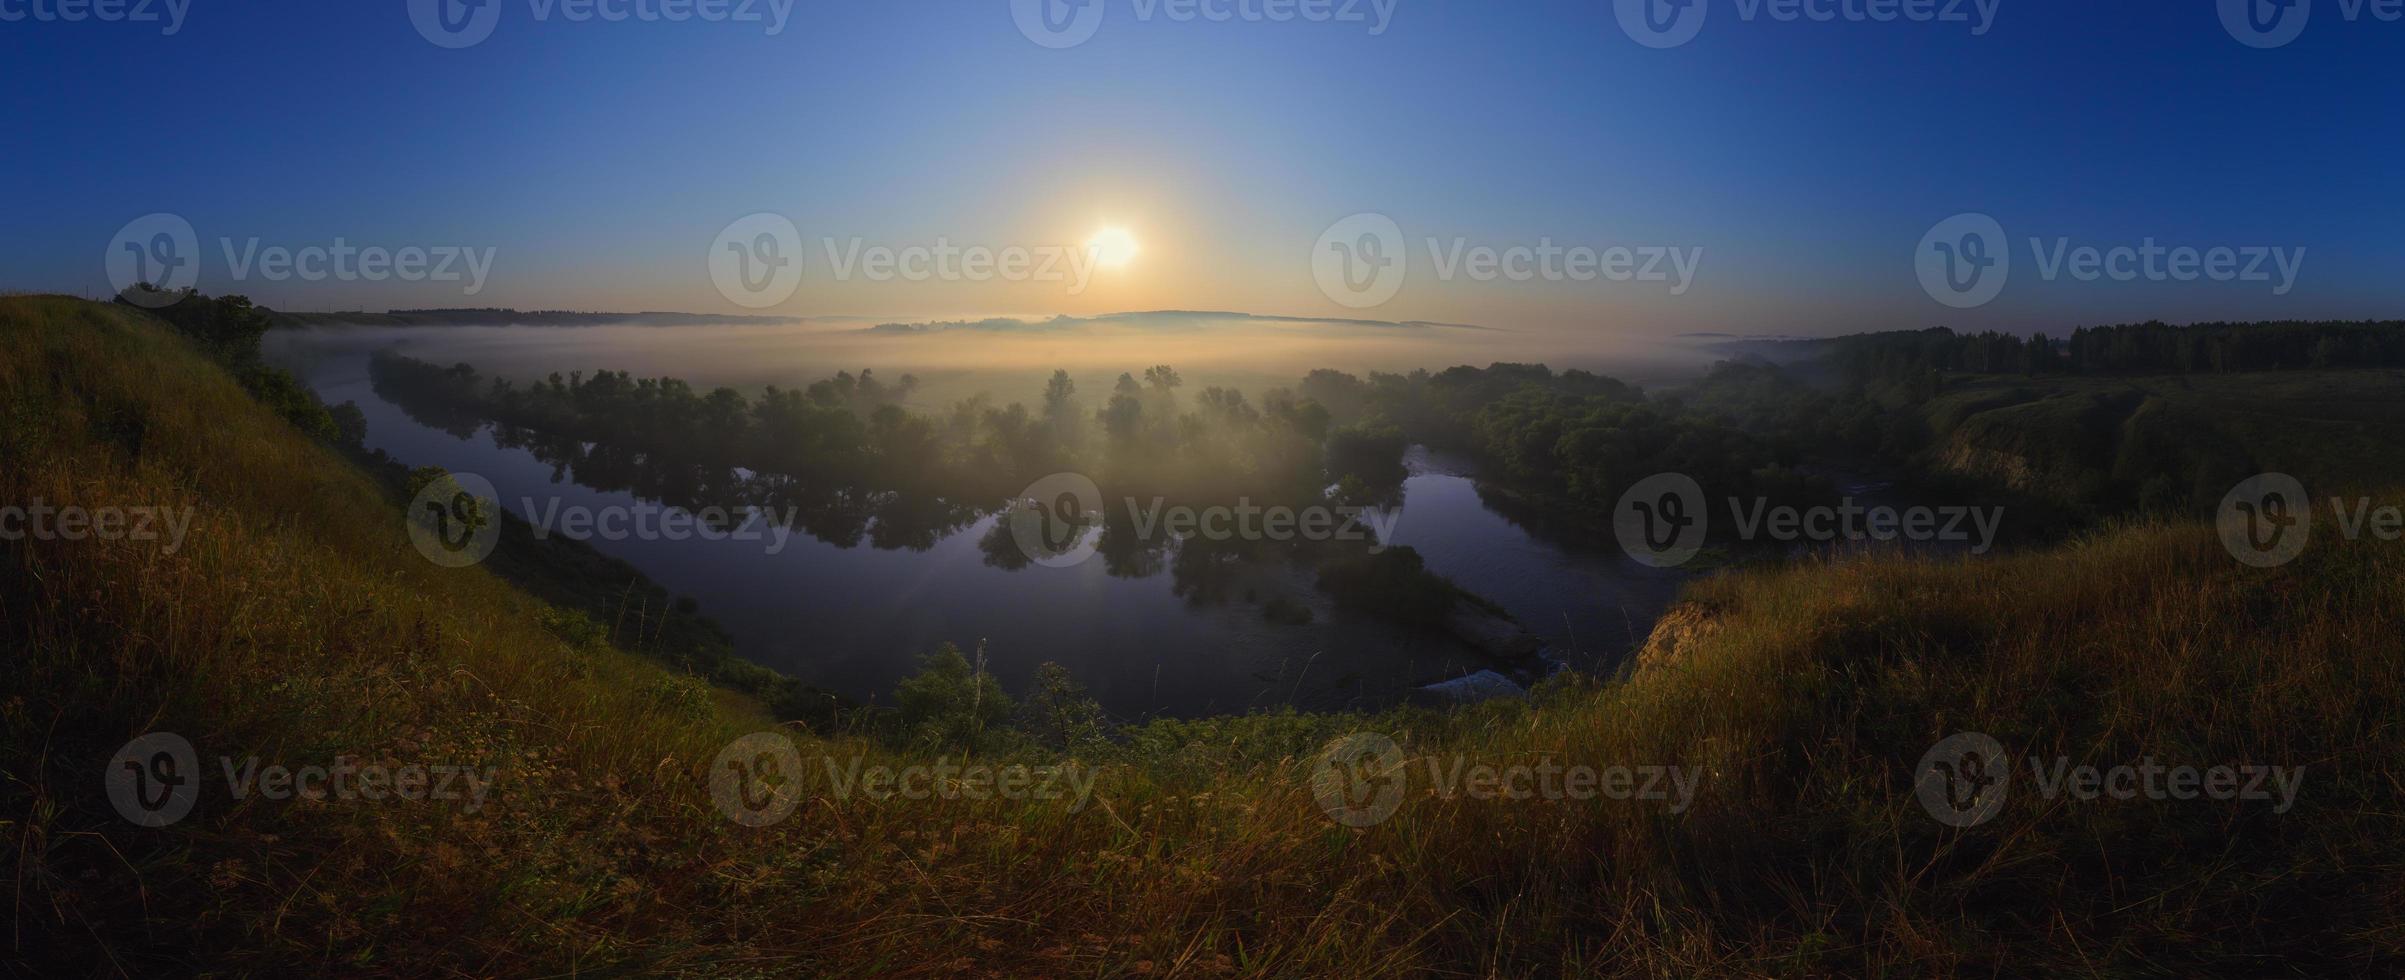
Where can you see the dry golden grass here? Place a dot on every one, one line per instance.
(296, 623)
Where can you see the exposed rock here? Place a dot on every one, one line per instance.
(2012, 470)
(1681, 627)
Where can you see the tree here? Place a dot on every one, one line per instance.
(228, 327)
(1058, 396)
(1123, 418)
(1163, 378)
(1371, 452)
(1060, 409)
(1060, 714)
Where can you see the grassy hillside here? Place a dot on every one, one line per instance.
(2173, 443)
(296, 623)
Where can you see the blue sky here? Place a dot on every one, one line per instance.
(598, 162)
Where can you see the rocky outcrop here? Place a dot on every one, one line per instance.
(2058, 478)
(1683, 627)
(2010, 470)
(2061, 449)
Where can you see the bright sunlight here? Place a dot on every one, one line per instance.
(1113, 247)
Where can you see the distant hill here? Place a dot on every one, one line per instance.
(1177, 319)
(514, 318)
(489, 317)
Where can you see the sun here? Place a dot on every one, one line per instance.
(1113, 247)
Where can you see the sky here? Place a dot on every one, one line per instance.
(1768, 174)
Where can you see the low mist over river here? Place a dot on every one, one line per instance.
(1007, 358)
(855, 617)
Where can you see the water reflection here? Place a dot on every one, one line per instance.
(1151, 626)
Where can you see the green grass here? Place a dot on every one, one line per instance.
(297, 623)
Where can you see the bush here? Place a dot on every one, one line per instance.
(950, 704)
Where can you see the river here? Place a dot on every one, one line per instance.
(857, 619)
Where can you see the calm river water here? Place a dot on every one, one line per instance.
(856, 619)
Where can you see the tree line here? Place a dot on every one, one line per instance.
(2153, 347)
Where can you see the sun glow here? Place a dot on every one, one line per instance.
(1113, 247)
